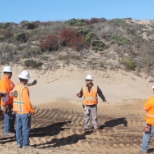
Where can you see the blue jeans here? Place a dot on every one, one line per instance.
(9, 122)
(23, 128)
(146, 140)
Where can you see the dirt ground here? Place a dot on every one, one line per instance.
(58, 128)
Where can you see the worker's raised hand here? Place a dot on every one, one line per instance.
(106, 102)
(78, 95)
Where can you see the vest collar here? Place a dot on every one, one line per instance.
(90, 86)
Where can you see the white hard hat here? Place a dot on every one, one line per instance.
(24, 75)
(7, 69)
(89, 77)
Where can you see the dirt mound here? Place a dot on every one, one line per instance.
(60, 129)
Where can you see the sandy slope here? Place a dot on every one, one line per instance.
(58, 122)
(63, 84)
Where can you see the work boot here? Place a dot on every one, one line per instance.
(9, 134)
(143, 152)
(86, 129)
(19, 146)
(27, 147)
(96, 130)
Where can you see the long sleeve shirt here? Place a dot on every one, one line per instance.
(149, 108)
(26, 100)
(99, 92)
(6, 86)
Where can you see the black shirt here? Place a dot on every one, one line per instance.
(99, 92)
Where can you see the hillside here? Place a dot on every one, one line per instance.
(97, 44)
(118, 53)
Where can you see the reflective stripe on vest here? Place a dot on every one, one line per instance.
(19, 100)
(150, 115)
(90, 98)
(11, 93)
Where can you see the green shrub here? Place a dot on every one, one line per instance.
(116, 39)
(7, 49)
(118, 21)
(77, 22)
(32, 63)
(29, 25)
(88, 35)
(68, 58)
(83, 31)
(21, 37)
(4, 25)
(128, 63)
(97, 45)
(148, 61)
(64, 58)
(44, 57)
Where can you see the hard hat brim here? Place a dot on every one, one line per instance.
(21, 77)
(7, 71)
(89, 79)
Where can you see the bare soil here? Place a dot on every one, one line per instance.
(58, 128)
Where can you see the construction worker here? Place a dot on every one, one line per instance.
(89, 92)
(23, 109)
(148, 130)
(6, 90)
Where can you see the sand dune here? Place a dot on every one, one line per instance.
(63, 84)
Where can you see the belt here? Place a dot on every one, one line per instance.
(91, 105)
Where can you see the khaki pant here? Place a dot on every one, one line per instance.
(90, 111)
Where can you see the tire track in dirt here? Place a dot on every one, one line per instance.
(62, 128)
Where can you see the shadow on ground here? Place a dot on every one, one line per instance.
(72, 139)
(114, 122)
(49, 130)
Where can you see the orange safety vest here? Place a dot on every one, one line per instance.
(6, 86)
(90, 98)
(18, 104)
(149, 107)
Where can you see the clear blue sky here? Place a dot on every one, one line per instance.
(53, 10)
